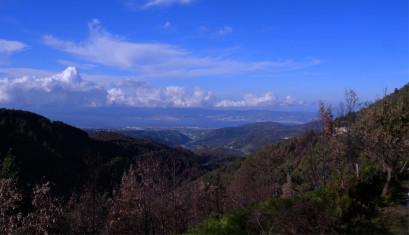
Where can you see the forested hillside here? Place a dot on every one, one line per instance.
(351, 178)
(347, 178)
(168, 137)
(249, 138)
(40, 158)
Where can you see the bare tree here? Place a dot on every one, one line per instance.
(48, 214)
(352, 104)
(10, 199)
(327, 117)
(126, 213)
(149, 199)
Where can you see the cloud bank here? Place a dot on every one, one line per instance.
(158, 60)
(69, 89)
(66, 89)
(249, 100)
(139, 94)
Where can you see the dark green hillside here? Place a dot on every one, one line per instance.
(250, 138)
(168, 137)
(43, 148)
(65, 155)
(216, 156)
(108, 136)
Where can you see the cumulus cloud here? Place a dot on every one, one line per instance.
(159, 60)
(250, 100)
(135, 94)
(9, 47)
(291, 101)
(69, 89)
(269, 99)
(66, 88)
(140, 94)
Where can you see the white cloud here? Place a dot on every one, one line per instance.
(104, 48)
(135, 94)
(146, 4)
(69, 89)
(140, 94)
(21, 72)
(180, 97)
(166, 25)
(66, 88)
(214, 33)
(269, 99)
(225, 30)
(250, 100)
(291, 101)
(153, 60)
(9, 47)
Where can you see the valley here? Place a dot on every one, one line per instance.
(227, 178)
(240, 140)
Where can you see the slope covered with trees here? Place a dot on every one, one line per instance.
(54, 151)
(46, 164)
(344, 179)
(249, 138)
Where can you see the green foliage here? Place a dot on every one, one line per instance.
(228, 224)
(8, 167)
(348, 210)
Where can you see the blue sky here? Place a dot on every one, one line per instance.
(231, 54)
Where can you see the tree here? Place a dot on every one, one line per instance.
(327, 118)
(8, 167)
(351, 100)
(48, 214)
(385, 128)
(287, 188)
(87, 212)
(126, 213)
(10, 199)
